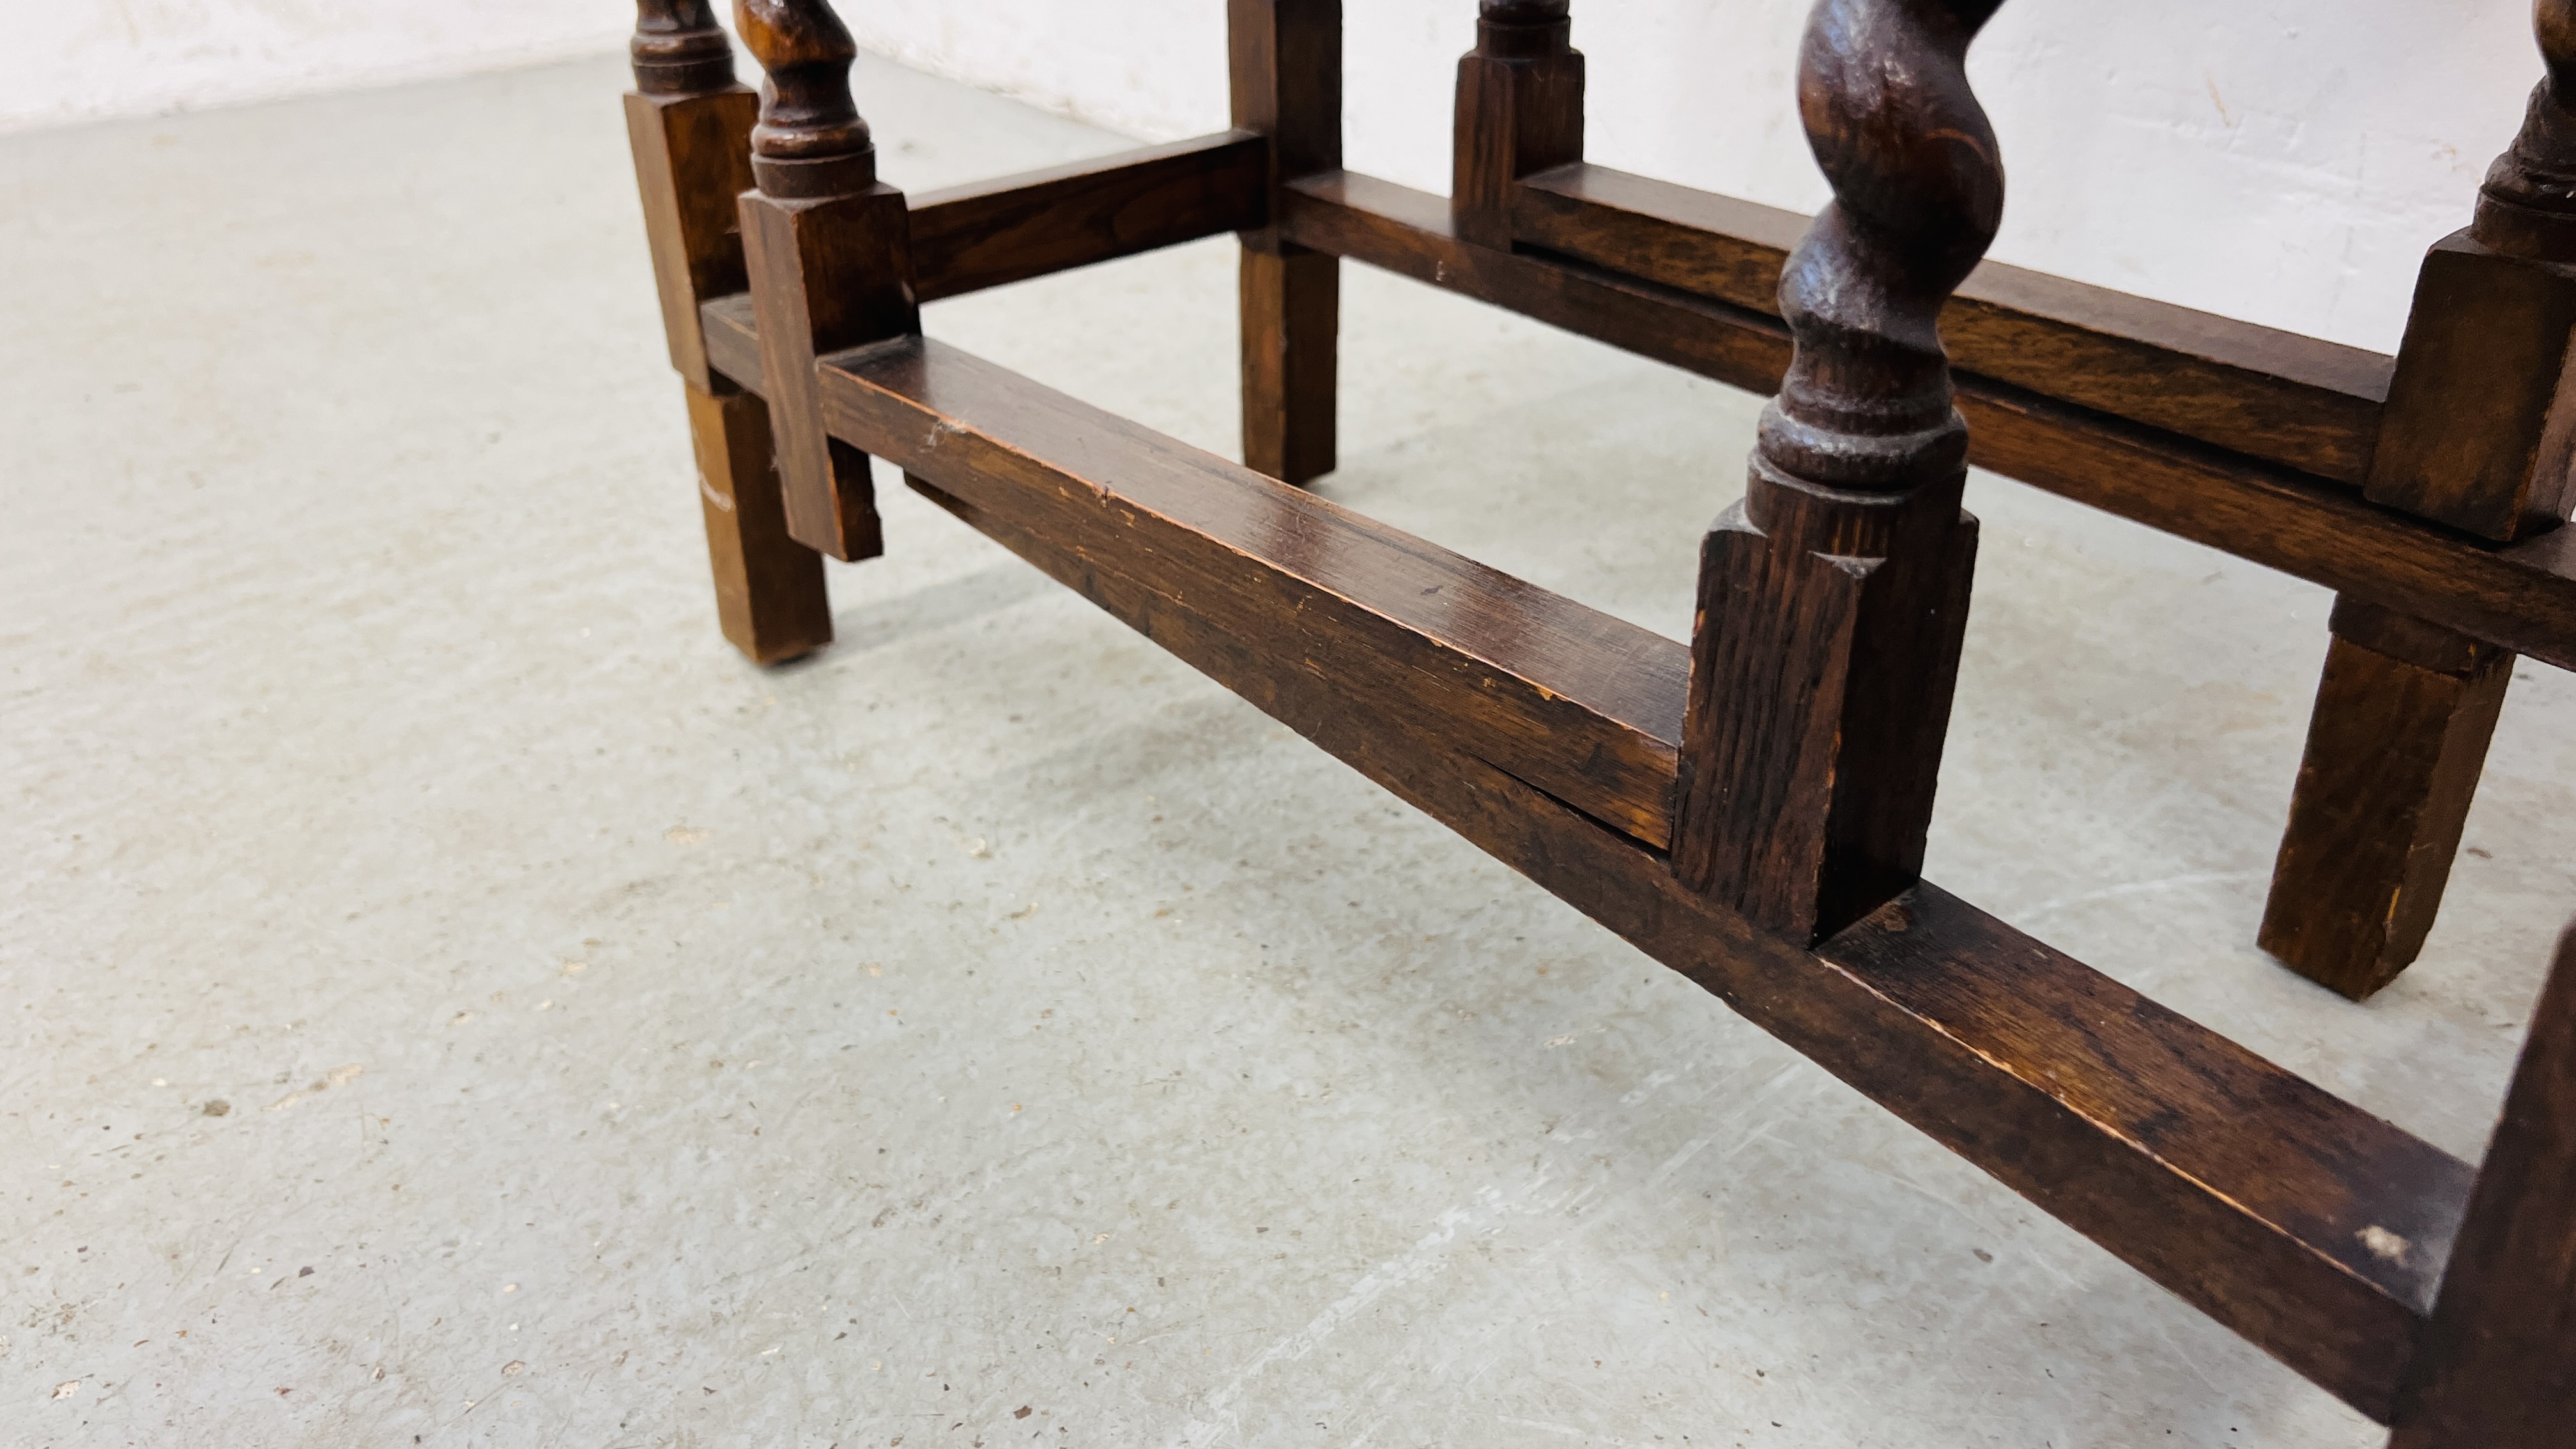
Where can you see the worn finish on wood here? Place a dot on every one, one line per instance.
(1286, 74)
(829, 252)
(1834, 598)
(1291, 303)
(1373, 607)
(2493, 1367)
(770, 595)
(678, 49)
(2394, 749)
(689, 126)
(2481, 429)
(2522, 597)
(2243, 1188)
(2293, 400)
(1520, 109)
(967, 238)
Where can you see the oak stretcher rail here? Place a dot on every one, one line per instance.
(1749, 809)
(2520, 596)
(2234, 1183)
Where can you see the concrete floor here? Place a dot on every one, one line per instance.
(451, 999)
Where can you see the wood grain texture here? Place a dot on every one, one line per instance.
(1821, 679)
(1833, 600)
(2400, 733)
(1519, 110)
(690, 127)
(828, 249)
(2495, 1368)
(1366, 604)
(731, 326)
(967, 238)
(2246, 1190)
(1286, 75)
(2481, 430)
(826, 274)
(770, 594)
(2298, 401)
(2481, 425)
(692, 158)
(2522, 597)
(811, 140)
(1291, 303)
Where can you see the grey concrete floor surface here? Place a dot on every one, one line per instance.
(450, 998)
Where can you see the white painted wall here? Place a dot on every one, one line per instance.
(88, 60)
(2284, 161)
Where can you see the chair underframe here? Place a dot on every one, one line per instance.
(2422, 1291)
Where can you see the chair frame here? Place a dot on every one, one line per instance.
(1750, 809)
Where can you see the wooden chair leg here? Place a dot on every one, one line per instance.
(690, 124)
(770, 595)
(1287, 86)
(1292, 301)
(2399, 736)
(1520, 110)
(2496, 1365)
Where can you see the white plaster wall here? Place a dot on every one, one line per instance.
(2280, 160)
(88, 60)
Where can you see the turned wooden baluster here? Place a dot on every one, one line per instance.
(1520, 109)
(1833, 598)
(690, 127)
(829, 248)
(2480, 428)
(2479, 433)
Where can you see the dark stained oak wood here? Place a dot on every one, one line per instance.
(967, 238)
(2481, 430)
(1291, 306)
(828, 248)
(2493, 1366)
(1411, 233)
(1749, 809)
(770, 596)
(2394, 749)
(731, 326)
(2480, 434)
(678, 49)
(1833, 599)
(2522, 597)
(690, 126)
(1285, 71)
(1520, 109)
(2248, 1191)
(1376, 608)
(2298, 401)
